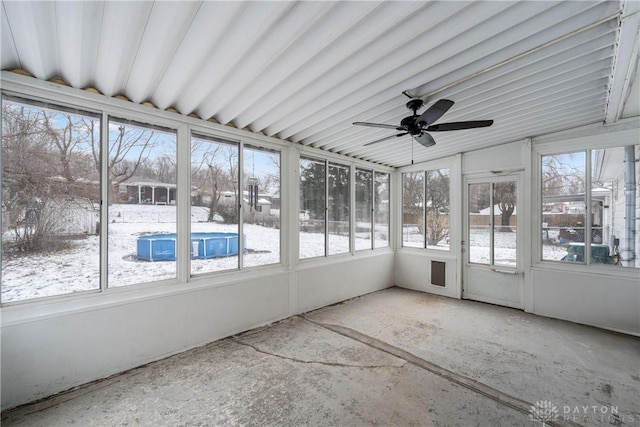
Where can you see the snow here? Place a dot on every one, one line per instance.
(78, 268)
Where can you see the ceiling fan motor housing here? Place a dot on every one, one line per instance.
(409, 123)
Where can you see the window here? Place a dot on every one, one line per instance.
(50, 201)
(364, 209)
(437, 209)
(215, 240)
(413, 209)
(312, 208)
(142, 203)
(563, 203)
(324, 208)
(338, 209)
(425, 207)
(590, 207)
(381, 209)
(261, 218)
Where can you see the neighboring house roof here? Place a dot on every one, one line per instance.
(148, 182)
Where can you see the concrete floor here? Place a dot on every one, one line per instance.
(394, 357)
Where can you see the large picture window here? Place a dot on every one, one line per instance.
(364, 209)
(50, 201)
(590, 207)
(142, 203)
(338, 209)
(425, 209)
(215, 206)
(261, 219)
(437, 209)
(381, 209)
(312, 208)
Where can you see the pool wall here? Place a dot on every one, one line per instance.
(162, 247)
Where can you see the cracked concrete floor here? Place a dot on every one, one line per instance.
(394, 357)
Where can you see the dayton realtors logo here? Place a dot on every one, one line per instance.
(543, 411)
(546, 412)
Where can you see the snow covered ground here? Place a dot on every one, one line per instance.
(78, 268)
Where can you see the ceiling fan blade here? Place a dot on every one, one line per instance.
(460, 125)
(434, 112)
(425, 139)
(379, 125)
(385, 138)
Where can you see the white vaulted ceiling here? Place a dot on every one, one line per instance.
(304, 71)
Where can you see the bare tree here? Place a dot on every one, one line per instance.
(437, 206)
(561, 177)
(27, 172)
(128, 149)
(504, 196)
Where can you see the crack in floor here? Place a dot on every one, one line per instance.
(318, 362)
(466, 382)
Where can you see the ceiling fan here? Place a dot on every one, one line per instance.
(418, 125)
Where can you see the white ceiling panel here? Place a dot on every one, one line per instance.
(34, 30)
(9, 58)
(165, 29)
(305, 71)
(78, 41)
(121, 29)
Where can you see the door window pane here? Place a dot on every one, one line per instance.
(563, 207)
(312, 208)
(381, 200)
(338, 209)
(437, 209)
(50, 201)
(413, 209)
(261, 219)
(505, 224)
(215, 242)
(364, 209)
(142, 204)
(480, 223)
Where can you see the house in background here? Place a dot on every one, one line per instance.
(146, 191)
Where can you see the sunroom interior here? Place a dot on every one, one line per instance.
(174, 173)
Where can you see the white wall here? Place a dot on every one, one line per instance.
(48, 354)
(322, 284)
(597, 299)
(413, 271)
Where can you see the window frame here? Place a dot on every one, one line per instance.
(424, 171)
(98, 105)
(104, 153)
(104, 108)
(586, 139)
(371, 210)
(64, 107)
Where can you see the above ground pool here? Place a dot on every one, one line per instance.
(162, 247)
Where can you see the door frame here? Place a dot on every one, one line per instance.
(518, 272)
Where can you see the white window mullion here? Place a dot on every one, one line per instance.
(104, 200)
(183, 204)
(326, 208)
(587, 210)
(240, 177)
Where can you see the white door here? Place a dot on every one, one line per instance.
(492, 243)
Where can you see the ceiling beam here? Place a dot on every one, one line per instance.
(626, 55)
